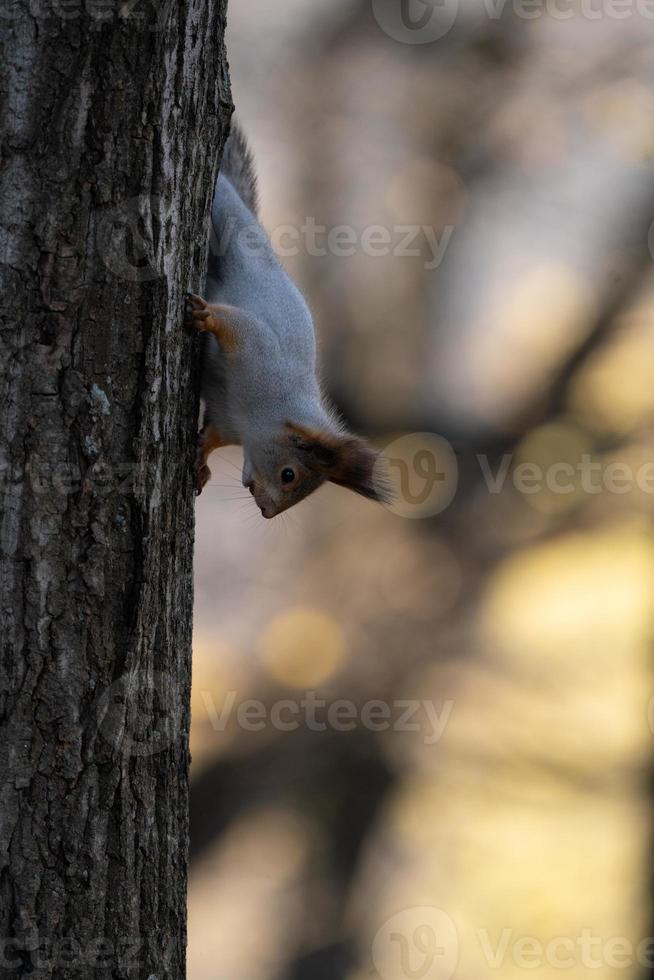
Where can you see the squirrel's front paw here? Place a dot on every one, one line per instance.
(202, 477)
(196, 312)
(202, 471)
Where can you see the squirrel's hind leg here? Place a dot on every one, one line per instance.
(215, 319)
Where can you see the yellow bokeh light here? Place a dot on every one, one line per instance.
(614, 390)
(217, 670)
(302, 648)
(582, 594)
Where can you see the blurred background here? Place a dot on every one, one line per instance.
(490, 814)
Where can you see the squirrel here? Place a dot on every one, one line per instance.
(259, 385)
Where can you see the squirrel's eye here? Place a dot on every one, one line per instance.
(288, 475)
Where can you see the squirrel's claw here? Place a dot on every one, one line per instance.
(196, 312)
(202, 477)
(202, 471)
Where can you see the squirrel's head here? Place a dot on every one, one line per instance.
(301, 459)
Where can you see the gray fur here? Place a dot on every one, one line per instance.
(271, 379)
(238, 166)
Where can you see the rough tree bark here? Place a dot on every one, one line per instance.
(113, 119)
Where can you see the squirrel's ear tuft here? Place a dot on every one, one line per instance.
(360, 468)
(343, 459)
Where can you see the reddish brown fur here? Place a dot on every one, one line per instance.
(340, 457)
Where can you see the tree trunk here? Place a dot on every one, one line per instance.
(113, 119)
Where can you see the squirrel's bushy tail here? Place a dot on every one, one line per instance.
(238, 166)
